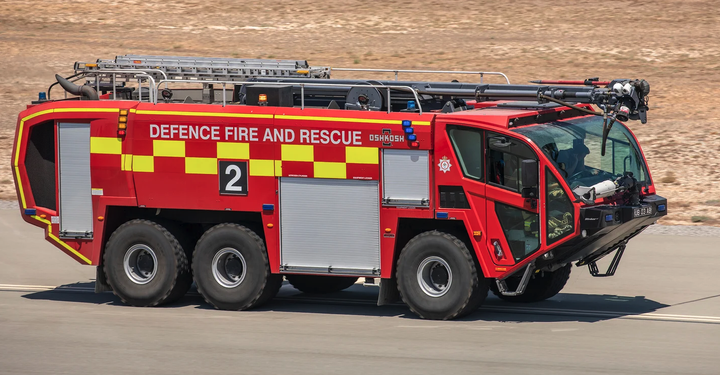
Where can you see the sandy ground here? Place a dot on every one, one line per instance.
(672, 44)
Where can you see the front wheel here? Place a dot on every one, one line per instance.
(231, 268)
(542, 285)
(437, 277)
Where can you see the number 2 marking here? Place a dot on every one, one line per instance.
(238, 173)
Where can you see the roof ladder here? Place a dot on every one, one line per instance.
(126, 67)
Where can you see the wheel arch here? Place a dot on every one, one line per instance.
(410, 227)
(187, 225)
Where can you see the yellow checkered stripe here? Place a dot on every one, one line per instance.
(235, 151)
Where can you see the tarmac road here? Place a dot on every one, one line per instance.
(659, 315)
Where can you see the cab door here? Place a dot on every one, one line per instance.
(513, 221)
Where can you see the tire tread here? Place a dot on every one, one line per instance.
(474, 299)
(273, 282)
(182, 264)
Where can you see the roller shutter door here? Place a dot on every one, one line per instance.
(406, 180)
(74, 171)
(329, 226)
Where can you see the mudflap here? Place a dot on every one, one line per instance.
(389, 293)
(101, 284)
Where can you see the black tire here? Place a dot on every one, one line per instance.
(542, 285)
(139, 240)
(467, 287)
(241, 264)
(313, 284)
(186, 241)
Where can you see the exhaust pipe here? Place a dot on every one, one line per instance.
(85, 91)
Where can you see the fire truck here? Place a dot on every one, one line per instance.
(238, 174)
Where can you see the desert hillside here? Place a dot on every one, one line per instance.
(672, 44)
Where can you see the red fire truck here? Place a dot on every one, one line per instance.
(237, 174)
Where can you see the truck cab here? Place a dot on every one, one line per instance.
(540, 215)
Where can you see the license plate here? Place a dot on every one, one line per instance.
(642, 211)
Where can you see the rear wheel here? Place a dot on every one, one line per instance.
(313, 284)
(145, 264)
(231, 268)
(542, 285)
(437, 277)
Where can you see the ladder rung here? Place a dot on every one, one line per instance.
(198, 68)
(209, 61)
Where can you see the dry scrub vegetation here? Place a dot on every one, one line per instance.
(672, 44)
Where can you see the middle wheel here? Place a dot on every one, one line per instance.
(231, 268)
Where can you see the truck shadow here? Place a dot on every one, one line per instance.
(361, 301)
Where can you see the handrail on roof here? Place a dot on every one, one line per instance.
(144, 73)
(396, 71)
(302, 89)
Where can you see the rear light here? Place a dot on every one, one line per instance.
(122, 123)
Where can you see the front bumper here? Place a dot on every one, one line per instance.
(603, 229)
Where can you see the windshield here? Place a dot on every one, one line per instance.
(574, 147)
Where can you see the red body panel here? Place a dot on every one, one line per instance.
(169, 160)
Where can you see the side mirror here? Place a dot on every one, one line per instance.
(530, 180)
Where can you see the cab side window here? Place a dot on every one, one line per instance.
(560, 210)
(504, 169)
(504, 164)
(468, 146)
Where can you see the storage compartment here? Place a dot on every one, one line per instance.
(329, 226)
(74, 170)
(406, 179)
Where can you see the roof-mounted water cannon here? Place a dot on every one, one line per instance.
(630, 99)
(632, 95)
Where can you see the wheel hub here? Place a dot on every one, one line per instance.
(229, 267)
(434, 276)
(140, 264)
